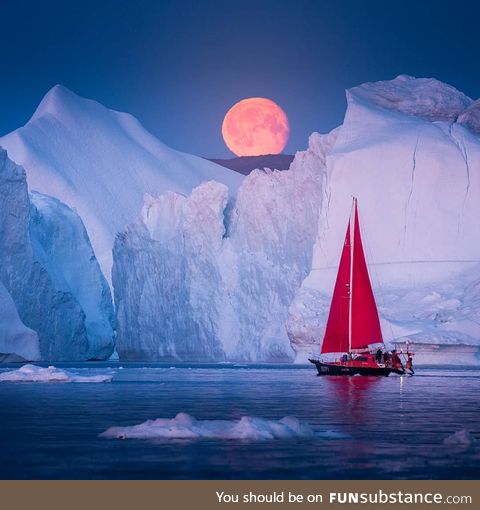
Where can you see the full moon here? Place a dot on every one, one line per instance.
(255, 126)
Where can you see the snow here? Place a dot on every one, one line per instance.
(15, 337)
(470, 118)
(48, 268)
(33, 373)
(425, 98)
(101, 162)
(184, 426)
(196, 278)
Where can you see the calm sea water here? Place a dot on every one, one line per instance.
(395, 426)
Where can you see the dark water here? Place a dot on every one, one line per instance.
(395, 426)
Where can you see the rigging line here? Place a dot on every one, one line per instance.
(350, 285)
(413, 345)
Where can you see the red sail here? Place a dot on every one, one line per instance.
(336, 332)
(365, 322)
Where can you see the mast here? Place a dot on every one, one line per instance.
(350, 285)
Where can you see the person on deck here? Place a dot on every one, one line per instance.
(409, 363)
(379, 356)
(396, 361)
(386, 358)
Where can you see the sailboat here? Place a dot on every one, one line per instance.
(353, 327)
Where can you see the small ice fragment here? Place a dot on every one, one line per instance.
(33, 373)
(184, 426)
(461, 438)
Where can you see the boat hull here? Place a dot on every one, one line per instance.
(339, 369)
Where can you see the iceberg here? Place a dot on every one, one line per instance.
(48, 268)
(184, 426)
(100, 163)
(62, 246)
(15, 337)
(210, 265)
(33, 373)
(249, 279)
(461, 438)
(199, 278)
(406, 152)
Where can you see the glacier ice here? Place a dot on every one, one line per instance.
(101, 162)
(461, 438)
(238, 266)
(425, 98)
(164, 277)
(15, 337)
(198, 279)
(216, 266)
(184, 426)
(416, 173)
(470, 118)
(62, 246)
(48, 268)
(34, 373)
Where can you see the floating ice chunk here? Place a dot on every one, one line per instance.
(462, 438)
(184, 426)
(33, 373)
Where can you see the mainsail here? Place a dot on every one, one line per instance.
(353, 321)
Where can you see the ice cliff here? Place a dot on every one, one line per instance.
(101, 162)
(15, 337)
(50, 279)
(211, 265)
(409, 149)
(197, 279)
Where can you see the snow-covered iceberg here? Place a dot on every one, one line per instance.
(33, 373)
(220, 267)
(49, 270)
(197, 279)
(184, 426)
(407, 151)
(101, 162)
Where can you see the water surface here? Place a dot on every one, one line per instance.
(395, 426)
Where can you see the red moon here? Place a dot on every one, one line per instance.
(255, 126)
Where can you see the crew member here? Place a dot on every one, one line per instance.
(397, 363)
(386, 358)
(409, 363)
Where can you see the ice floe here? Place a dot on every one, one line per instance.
(184, 426)
(33, 373)
(462, 438)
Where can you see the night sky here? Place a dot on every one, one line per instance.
(179, 65)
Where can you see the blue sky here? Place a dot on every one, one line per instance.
(179, 65)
